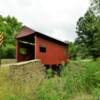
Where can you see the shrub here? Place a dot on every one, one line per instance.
(77, 77)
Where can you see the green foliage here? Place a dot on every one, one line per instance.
(73, 50)
(78, 77)
(89, 33)
(52, 89)
(92, 75)
(95, 5)
(49, 73)
(9, 26)
(78, 51)
(83, 52)
(22, 51)
(96, 93)
(8, 51)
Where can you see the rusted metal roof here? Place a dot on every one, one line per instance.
(26, 31)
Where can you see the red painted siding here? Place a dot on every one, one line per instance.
(55, 53)
(17, 51)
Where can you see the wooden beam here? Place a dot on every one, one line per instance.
(25, 42)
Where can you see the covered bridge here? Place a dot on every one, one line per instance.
(35, 45)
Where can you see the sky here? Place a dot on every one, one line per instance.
(56, 18)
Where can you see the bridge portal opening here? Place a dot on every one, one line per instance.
(27, 48)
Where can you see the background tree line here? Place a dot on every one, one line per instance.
(9, 26)
(87, 44)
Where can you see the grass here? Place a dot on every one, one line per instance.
(80, 80)
(8, 61)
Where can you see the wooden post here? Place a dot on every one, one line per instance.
(1, 42)
(0, 56)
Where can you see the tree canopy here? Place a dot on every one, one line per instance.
(95, 5)
(9, 26)
(89, 33)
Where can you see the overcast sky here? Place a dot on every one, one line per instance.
(56, 18)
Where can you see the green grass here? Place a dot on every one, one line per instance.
(80, 80)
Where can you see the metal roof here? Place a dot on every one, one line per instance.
(26, 31)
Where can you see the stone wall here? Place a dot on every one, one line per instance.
(25, 72)
(8, 61)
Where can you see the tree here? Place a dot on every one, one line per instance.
(73, 51)
(82, 50)
(9, 26)
(89, 33)
(95, 5)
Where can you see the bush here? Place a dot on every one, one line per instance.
(8, 51)
(52, 89)
(76, 77)
(96, 93)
